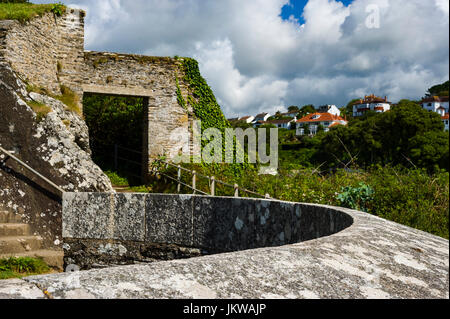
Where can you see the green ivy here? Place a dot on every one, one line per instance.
(204, 105)
(203, 102)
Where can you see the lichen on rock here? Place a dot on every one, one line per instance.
(58, 151)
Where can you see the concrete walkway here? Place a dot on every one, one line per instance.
(374, 258)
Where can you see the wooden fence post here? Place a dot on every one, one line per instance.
(236, 190)
(213, 186)
(179, 179)
(194, 181)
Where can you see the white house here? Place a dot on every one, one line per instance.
(332, 109)
(260, 119)
(371, 103)
(438, 104)
(287, 124)
(247, 119)
(313, 121)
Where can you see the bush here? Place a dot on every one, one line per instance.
(356, 197)
(19, 267)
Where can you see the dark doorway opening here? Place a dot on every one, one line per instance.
(116, 130)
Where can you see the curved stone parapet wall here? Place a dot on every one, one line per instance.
(103, 229)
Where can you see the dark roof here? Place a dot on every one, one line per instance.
(261, 115)
(372, 99)
(435, 99)
(323, 117)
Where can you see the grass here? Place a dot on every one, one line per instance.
(121, 181)
(68, 97)
(22, 267)
(116, 179)
(40, 109)
(25, 11)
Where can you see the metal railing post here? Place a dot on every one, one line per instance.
(194, 181)
(213, 186)
(236, 190)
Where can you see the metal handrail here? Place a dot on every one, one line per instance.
(212, 180)
(9, 155)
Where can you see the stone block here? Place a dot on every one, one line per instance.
(129, 217)
(275, 223)
(88, 215)
(223, 225)
(169, 219)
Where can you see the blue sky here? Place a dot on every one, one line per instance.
(257, 60)
(296, 9)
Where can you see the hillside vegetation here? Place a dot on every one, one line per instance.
(23, 11)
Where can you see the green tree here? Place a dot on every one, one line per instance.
(407, 135)
(305, 110)
(439, 90)
(113, 120)
(293, 108)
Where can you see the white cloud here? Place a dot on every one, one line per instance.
(255, 61)
(443, 5)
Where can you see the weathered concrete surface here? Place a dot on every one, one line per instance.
(373, 258)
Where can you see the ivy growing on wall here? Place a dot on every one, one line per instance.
(204, 104)
(203, 100)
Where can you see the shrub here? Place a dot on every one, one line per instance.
(356, 197)
(19, 267)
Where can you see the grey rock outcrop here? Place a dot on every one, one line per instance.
(57, 146)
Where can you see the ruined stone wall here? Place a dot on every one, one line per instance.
(47, 51)
(151, 77)
(102, 229)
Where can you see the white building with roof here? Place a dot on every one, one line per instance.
(371, 103)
